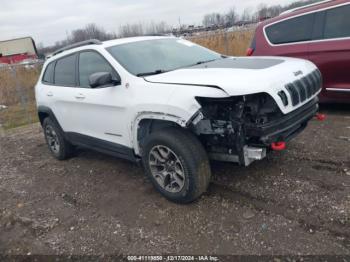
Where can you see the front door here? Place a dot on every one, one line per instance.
(100, 112)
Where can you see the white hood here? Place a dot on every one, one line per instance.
(242, 76)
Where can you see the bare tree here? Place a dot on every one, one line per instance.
(231, 17)
(262, 11)
(139, 29)
(157, 28)
(213, 19)
(274, 10)
(247, 15)
(129, 30)
(90, 31)
(207, 20)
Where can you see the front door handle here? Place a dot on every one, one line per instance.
(49, 94)
(80, 96)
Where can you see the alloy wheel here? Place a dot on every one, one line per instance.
(167, 168)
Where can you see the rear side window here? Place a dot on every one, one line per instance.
(292, 30)
(65, 71)
(337, 22)
(49, 72)
(89, 63)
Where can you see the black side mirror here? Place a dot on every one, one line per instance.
(102, 79)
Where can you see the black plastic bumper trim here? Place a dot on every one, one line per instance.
(286, 127)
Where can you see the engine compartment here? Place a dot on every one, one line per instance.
(228, 126)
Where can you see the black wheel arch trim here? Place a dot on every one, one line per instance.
(47, 111)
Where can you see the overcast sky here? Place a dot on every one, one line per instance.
(50, 20)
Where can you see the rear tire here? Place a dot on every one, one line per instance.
(59, 147)
(177, 164)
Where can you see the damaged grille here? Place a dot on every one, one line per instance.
(228, 127)
(304, 88)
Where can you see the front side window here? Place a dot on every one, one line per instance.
(292, 30)
(160, 55)
(337, 22)
(65, 71)
(91, 62)
(49, 73)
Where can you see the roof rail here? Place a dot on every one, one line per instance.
(304, 6)
(78, 44)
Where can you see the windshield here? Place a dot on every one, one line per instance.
(158, 56)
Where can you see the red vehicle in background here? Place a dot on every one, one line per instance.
(320, 33)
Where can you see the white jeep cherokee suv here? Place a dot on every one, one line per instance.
(173, 105)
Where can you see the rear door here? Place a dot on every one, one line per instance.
(61, 94)
(330, 51)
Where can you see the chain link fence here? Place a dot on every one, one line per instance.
(17, 100)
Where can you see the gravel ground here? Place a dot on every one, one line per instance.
(293, 202)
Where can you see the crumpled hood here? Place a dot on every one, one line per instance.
(242, 75)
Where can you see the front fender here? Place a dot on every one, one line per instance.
(179, 108)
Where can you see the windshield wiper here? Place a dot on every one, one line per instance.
(156, 72)
(203, 62)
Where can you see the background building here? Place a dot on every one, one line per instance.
(16, 50)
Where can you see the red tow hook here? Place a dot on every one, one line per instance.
(320, 117)
(278, 146)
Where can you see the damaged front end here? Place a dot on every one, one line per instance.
(241, 129)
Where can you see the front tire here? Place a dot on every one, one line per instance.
(59, 147)
(177, 164)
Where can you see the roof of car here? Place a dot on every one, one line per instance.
(305, 9)
(305, 6)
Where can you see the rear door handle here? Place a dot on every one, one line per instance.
(49, 94)
(80, 96)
